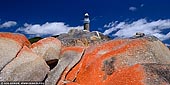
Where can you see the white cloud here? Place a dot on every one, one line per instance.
(53, 28)
(167, 44)
(8, 24)
(132, 8)
(125, 29)
(142, 5)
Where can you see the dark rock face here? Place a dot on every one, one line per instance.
(108, 66)
(77, 37)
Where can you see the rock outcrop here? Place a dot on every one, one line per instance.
(27, 66)
(85, 58)
(18, 62)
(48, 48)
(77, 37)
(70, 56)
(100, 62)
(10, 45)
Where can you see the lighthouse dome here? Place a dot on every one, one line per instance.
(86, 14)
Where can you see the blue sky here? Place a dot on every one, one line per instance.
(117, 18)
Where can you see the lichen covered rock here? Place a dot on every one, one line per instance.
(27, 66)
(10, 45)
(70, 56)
(86, 58)
(101, 62)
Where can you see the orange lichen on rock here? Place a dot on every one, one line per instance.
(69, 57)
(21, 39)
(93, 56)
(71, 76)
(117, 62)
(10, 46)
(27, 66)
(134, 75)
(90, 68)
(67, 71)
(62, 78)
(72, 83)
(93, 53)
(134, 61)
(72, 48)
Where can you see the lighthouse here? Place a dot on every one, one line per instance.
(86, 22)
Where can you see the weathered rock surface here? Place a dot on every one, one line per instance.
(138, 74)
(49, 48)
(70, 56)
(87, 58)
(102, 61)
(27, 66)
(77, 37)
(156, 74)
(19, 38)
(10, 45)
(141, 74)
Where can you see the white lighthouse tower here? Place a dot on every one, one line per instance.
(86, 22)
